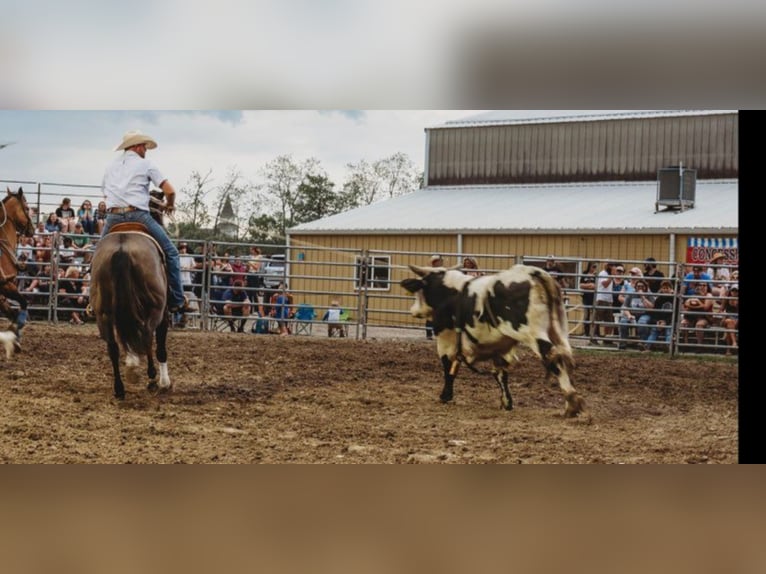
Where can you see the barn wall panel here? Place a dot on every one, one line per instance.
(631, 149)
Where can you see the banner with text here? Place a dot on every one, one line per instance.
(701, 250)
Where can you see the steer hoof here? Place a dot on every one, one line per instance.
(445, 398)
(575, 406)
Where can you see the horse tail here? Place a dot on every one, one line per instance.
(129, 315)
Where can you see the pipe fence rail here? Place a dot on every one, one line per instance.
(364, 286)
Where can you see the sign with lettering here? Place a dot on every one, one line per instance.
(700, 250)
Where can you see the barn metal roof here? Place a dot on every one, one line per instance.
(519, 117)
(601, 207)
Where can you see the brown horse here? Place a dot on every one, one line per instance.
(14, 219)
(128, 297)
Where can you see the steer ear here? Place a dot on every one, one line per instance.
(411, 284)
(420, 271)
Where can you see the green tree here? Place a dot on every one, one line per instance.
(316, 199)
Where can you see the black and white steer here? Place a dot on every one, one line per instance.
(487, 317)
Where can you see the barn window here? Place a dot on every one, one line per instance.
(373, 272)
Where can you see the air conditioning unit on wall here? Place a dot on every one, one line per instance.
(676, 188)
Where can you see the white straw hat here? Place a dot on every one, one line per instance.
(135, 137)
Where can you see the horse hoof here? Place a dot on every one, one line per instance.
(153, 387)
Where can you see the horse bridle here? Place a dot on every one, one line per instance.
(25, 207)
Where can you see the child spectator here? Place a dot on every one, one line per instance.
(281, 308)
(697, 313)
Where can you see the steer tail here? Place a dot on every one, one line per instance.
(558, 330)
(129, 314)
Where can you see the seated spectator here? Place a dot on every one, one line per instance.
(53, 224)
(720, 274)
(26, 247)
(730, 319)
(238, 270)
(697, 313)
(85, 218)
(236, 303)
(281, 308)
(99, 216)
(635, 311)
(334, 319)
(66, 252)
(73, 297)
(79, 239)
(653, 275)
(692, 278)
(662, 313)
(66, 215)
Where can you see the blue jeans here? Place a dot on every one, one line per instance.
(172, 259)
(641, 322)
(656, 331)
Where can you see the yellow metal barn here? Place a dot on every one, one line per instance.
(608, 187)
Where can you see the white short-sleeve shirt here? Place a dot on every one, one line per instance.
(126, 181)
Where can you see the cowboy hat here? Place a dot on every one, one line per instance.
(135, 137)
(718, 256)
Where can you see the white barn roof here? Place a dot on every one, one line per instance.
(601, 207)
(518, 117)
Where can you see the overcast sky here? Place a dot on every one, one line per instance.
(74, 147)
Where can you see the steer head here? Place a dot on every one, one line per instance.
(431, 289)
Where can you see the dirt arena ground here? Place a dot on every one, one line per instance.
(241, 398)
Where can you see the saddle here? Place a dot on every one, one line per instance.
(136, 227)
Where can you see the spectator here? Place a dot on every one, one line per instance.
(470, 267)
(604, 301)
(552, 267)
(40, 229)
(254, 277)
(25, 272)
(236, 303)
(692, 278)
(281, 308)
(662, 313)
(79, 239)
(187, 264)
(730, 320)
(72, 289)
(238, 270)
(697, 311)
(620, 287)
(653, 275)
(720, 274)
(634, 274)
(40, 286)
(334, 320)
(588, 289)
(100, 217)
(635, 311)
(85, 217)
(53, 224)
(66, 252)
(25, 247)
(218, 282)
(66, 214)
(436, 261)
